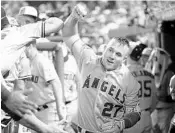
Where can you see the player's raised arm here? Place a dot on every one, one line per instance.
(70, 30)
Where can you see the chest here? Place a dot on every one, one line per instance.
(110, 84)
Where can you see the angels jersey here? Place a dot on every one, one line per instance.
(103, 95)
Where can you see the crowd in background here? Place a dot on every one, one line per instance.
(104, 15)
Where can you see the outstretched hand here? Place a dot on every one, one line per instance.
(18, 103)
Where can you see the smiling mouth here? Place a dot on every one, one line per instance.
(110, 61)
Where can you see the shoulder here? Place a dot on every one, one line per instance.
(125, 71)
(130, 80)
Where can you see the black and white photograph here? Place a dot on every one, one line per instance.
(87, 66)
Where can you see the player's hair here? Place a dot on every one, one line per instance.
(122, 41)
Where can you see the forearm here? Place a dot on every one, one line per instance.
(12, 114)
(58, 94)
(131, 119)
(32, 122)
(5, 93)
(53, 25)
(70, 27)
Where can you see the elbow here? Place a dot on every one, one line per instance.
(58, 23)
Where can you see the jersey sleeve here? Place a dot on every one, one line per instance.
(80, 50)
(47, 70)
(132, 100)
(35, 30)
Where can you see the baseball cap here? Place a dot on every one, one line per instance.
(4, 20)
(28, 10)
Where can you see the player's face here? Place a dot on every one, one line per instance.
(172, 87)
(23, 20)
(144, 60)
(114, 55)
(29, 51)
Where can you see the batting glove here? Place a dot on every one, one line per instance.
(113, 126)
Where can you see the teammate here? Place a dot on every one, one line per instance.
(71, 82)
(27, 15)
(172, 92)
(107, 99)
(18, 106)
(46, 86)
(12, 46)
(163, 70)
(147, 92)
(145, 56)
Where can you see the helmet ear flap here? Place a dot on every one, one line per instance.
(137, 52)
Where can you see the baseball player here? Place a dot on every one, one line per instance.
(147, 92)
(163, 70)
(71, 82)
(107, 99)
(12, 46)
(172, 92)
(27, 15)
(46, 86)
(8, 54)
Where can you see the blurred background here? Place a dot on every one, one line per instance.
(138, 20)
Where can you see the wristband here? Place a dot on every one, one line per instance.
(120, 124)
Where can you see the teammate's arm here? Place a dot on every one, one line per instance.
(57, 91)
(16, 101)
(53, 25)
(42, 28)
(49, 74)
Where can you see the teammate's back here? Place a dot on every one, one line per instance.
(147, 87)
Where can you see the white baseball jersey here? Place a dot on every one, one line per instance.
(19, 71)
(147, 90)
(42, 71)
(146, 96)
(104, 95)
(70, 78)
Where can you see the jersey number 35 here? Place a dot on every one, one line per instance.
(145, 88)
